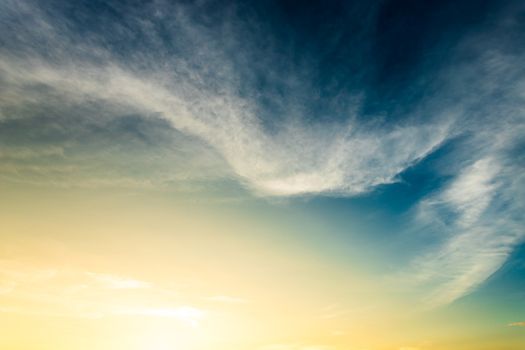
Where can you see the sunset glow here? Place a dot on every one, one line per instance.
(262, 175)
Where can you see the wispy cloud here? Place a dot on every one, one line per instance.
(517, 324)
(473, 221)
(341, 158)
(477, 230)
(49, 291)
(300, 159)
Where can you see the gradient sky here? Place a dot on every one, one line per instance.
(272, 175)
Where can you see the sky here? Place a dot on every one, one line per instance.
(262, 175)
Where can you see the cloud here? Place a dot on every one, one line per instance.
(470, 194)
(474, 221)
(474, 218)
(300, 159)
(202, 99)
(50, 291)
(517, 324)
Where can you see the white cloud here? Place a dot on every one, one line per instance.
(475, 220)
(478, 232)
(341, 159)
(30, 289)
(470, 194)
(198, 95)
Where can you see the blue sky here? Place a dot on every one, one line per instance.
(398, 125)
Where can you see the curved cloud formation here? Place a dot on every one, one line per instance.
(480, 230)
(341, 157)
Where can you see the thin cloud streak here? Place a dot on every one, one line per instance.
(31, 290)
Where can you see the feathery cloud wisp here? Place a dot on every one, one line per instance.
(199, 96)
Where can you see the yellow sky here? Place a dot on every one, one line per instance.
(121, 271)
